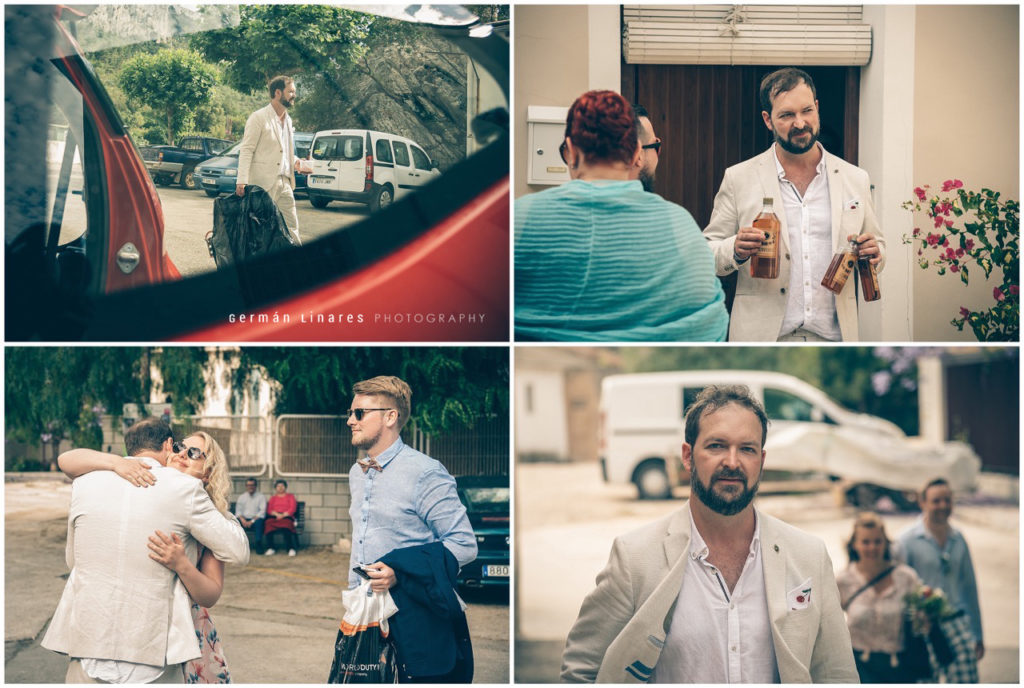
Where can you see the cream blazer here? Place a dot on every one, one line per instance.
(623, 623)
(259, 157)
(760, 304)
(118, 603)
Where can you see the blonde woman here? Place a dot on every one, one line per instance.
(199, 456)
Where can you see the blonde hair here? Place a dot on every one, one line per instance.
(868, 520)
(217, 482)
(395, 389)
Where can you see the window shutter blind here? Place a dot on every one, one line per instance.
(746, 35)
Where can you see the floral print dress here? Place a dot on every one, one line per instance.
(211, 666)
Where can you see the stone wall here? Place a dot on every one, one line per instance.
(327, 501)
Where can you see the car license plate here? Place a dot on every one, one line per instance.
(320, 179)
(496, 571)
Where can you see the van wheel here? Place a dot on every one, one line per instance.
(319, 201)
(188, 179)
(382, 199)
(652, 481)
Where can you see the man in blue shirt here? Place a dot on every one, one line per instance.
(401, 498)
(939, 554)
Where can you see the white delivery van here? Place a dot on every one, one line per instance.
(642, 428)
(366, 166)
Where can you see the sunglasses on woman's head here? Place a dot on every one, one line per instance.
(194, 453)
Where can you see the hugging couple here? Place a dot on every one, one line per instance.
(146, 563)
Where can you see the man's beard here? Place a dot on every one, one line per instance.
(796, 148)
(647, 179)
(367, 442)
(727, 506)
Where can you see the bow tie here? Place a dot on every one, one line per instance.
(368, 464)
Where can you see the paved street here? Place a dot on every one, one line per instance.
(566, 519)
(188, 216)
(278, 617)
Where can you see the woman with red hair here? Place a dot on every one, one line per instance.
(600, 259)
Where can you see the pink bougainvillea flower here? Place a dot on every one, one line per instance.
(938, 221)
(969, 244)
(960, 253)
(920, 193)
(954, 268)
(948, 223)
(957, 183)
(964, 313)
(917, 230)
(998, 294)
(1014, 290)
(933, 239)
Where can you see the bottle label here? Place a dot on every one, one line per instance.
(844, 271)
(768, 248)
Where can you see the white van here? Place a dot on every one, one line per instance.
(366, 167)
(642, 427)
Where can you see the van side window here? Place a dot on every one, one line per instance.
(401, 154)
(383, 151)
(689, 396)
(420, 160)
(780, 405)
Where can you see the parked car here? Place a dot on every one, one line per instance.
(85, 252)
(642, 418)
(176, 164)
(218, 175)
(366, 166)
(486, 499)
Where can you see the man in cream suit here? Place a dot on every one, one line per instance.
(124, 618)
(820, 200)
(716, 592)
(267, 157)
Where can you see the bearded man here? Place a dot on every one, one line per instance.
(716, 592)
(410, 535)
(822, 203)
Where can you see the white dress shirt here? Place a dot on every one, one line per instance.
(809, 223)
(251, 506)
(717, 636)
(284, 127)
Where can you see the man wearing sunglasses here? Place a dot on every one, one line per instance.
(939, 554)
(123, 617)
(410, 534)
(650, 149)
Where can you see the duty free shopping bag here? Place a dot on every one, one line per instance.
(364, 652)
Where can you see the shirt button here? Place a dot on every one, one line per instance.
(732, 606)
(733, 648)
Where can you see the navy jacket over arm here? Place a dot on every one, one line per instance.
(430, 628)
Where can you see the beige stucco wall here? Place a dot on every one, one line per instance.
(966, 125)
(561, 51)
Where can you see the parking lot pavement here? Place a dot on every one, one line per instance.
(188, 216)
(278, 617)
(567, 518)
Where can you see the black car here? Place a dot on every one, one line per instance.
(487, 502)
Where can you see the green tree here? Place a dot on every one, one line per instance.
(452, 386)
(175, 83)
(284, 39)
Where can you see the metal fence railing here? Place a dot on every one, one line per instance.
(315, 445)
(246, 440)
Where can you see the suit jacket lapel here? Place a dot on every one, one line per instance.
(836, 193)
(275, 126)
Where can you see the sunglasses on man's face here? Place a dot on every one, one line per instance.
(656, 147)
(360, 412)
(193, 453)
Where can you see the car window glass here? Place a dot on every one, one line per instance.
(65, 178)
(781, 405)
(401, 154)
(192, 145)
(338, 147)
(302, 148)
(420, 159)
(383, 151)
(218, 147)
(487, 499)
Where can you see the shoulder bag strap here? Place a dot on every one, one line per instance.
(867, 585)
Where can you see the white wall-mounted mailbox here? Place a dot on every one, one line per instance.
(545, 133)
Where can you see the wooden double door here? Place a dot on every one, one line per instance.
(708, 118)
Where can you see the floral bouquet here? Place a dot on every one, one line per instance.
(925, 606)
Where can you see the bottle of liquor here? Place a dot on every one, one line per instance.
(765, 263)
(868, 279)
(839, 270)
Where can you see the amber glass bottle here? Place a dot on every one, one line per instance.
(839, 270)
(868, 279)
(765, 263)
